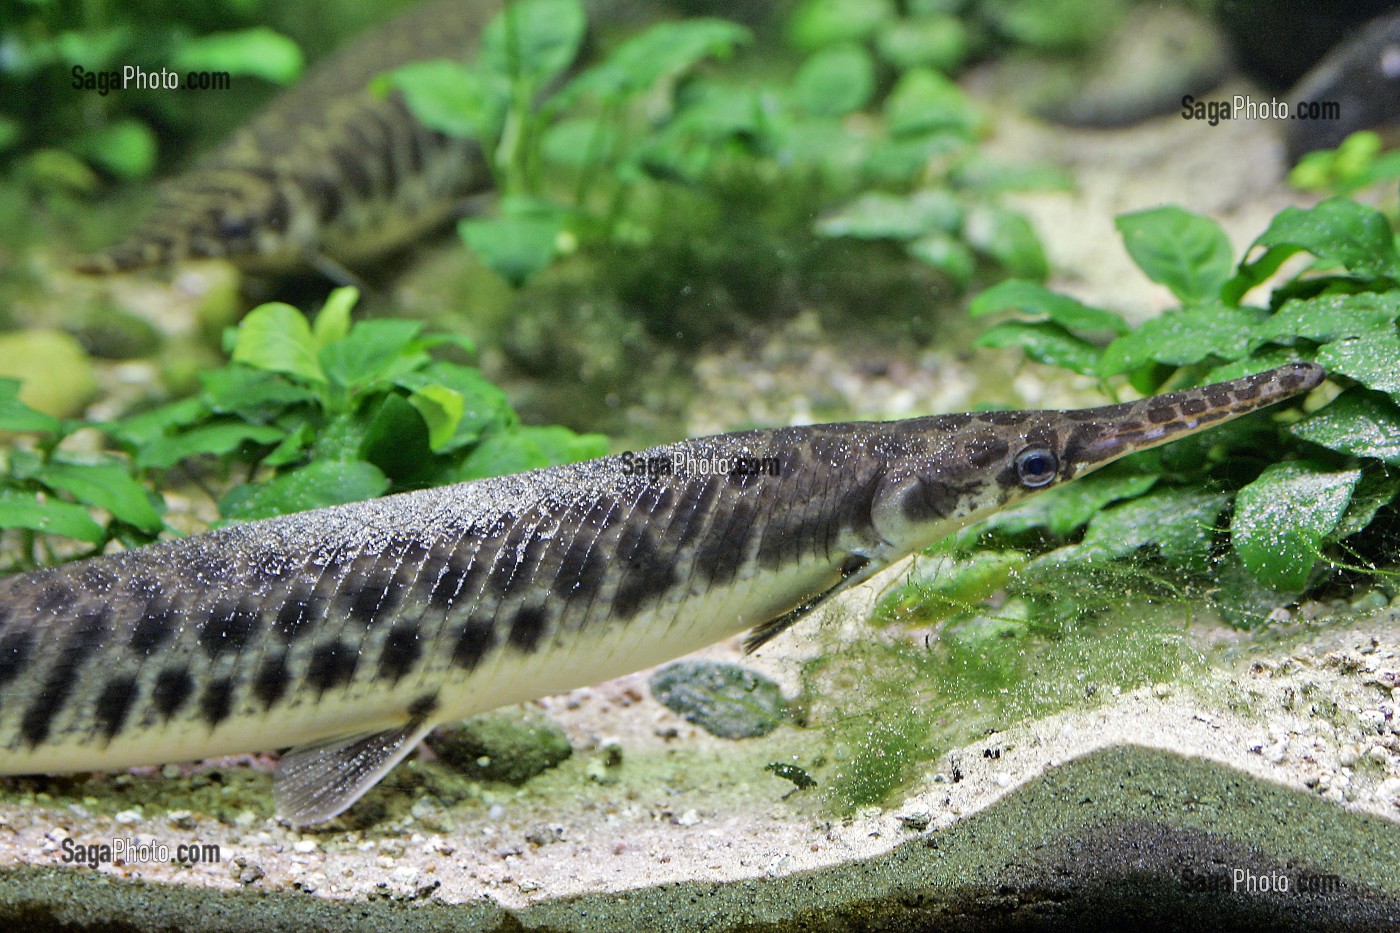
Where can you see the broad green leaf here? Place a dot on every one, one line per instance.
(1331, 317)
(373, 353)
(1372, 360)
(818, 23)
(107, 486)
(396, 441)
(217, 438)
(441, 409)
(1338, 230)
(452, 98)
(924, 101)
(317, 485)
(835, 81)
(1008, 237)
(1282, 517)
(333, 320)
(275, 337)
(49, 515)
(877, 215)
(252, 394)
(1366, 424)
(1065, 508)
(1179, 338)
(19, 417)
(533, 40)
(1053, 25)
(258, 52)
(1257, 363)
(528, 448)
(1045, 342)
(1179, 522)
(664, 50)
(1034, 298)
(1186, 252)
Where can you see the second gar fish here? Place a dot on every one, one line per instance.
(349, 632)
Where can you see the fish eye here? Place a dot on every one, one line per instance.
(1036, 466)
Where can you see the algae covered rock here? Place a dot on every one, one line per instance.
(56, 375)
(511, 747)
(726, 700)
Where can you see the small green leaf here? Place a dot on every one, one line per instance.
(1180, 338)
(528, 448)
(517, 248)
(664, 50)
(945, 252)
(1376, 490)
(1338, 230)
(933, 41)
(396, 441)
(1008, 237)
(835, 81)
(1065, 508)
(106, 486)
(1372, 360)
(441, 409)
(373, 354)
(1179, 522)
(1035, 299)
(452, 98)
(1366, 424)
(220, 437)
(333, 320)
(484, 406)
(126, 148)
(1186, 252)
(1282, 517)
(49, 516)
(317, 485)
(258, 52)
(275, 337)
(579, 142)
(136, 431)
(877, 215)
(924, 101)
(819, 23)
(1045, 342)
(19, 417)
(533, 40)
(252, 394)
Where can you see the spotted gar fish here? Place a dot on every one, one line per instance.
(349, 632)
(329, 174)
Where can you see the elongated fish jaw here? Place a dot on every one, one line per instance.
(947, 471)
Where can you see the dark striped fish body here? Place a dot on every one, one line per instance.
(329, 171)
(349, 632)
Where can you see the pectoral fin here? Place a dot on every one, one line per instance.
(320, 780)
(856, 570)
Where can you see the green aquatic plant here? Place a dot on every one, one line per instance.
(66, 112)
(1304, 496)
(1359, 162)
(320, 412)
(585, 159)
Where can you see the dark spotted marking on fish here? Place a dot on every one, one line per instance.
(114, 705)
(229, 627)
(216, 703)
(402, 612)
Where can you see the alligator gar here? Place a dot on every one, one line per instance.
(349, 632)
(330, 174)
